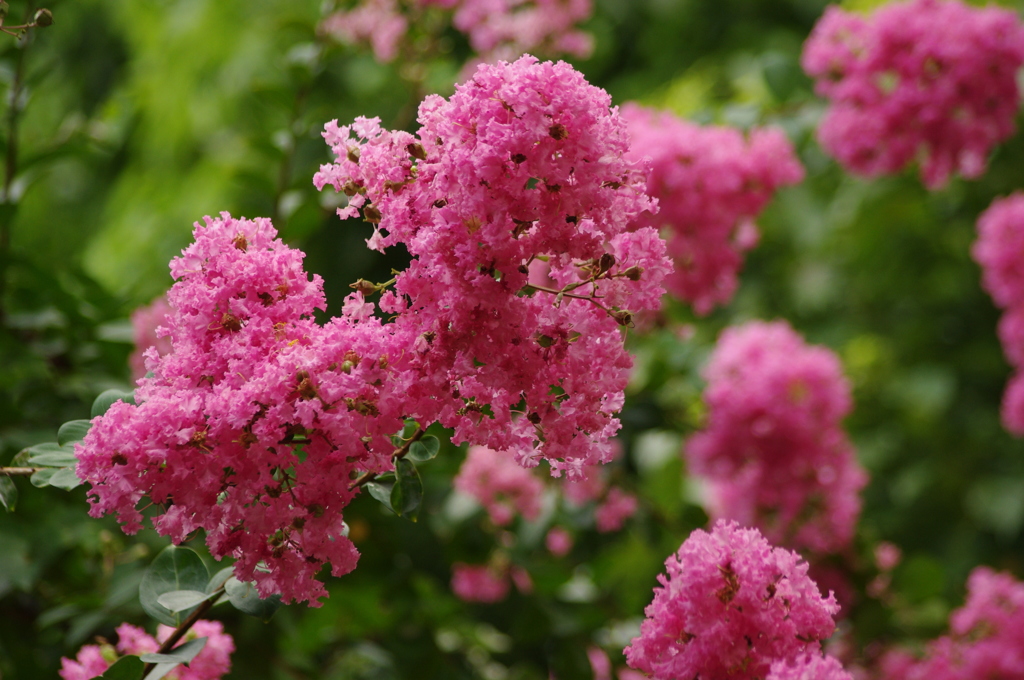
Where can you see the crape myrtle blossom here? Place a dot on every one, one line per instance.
(524, 162)
(985, 640)
(927, 80)
(504, 488)
(212, 662)
(998, 251)
(729, 606)
(252, 426)
(496, 29)
(257, 425)
(711, 182)
(774, 451)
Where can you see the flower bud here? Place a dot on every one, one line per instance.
(43, 18)
(622, 317)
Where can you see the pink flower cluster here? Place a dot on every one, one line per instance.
(146, 324)
(213, 662)
(488, 583)
(927, 80)
(774, 451)
(524, 162)
(809, 667)
(251, 428)
(504, 488)
(710, 182)
(497, 29)
(986, 638)
(730, 606)
(998, 251)
(254, 426)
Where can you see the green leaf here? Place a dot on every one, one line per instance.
(180, 600)
(160, 670)
(425, 449)
(41, 478)
(106, 400)
(51, 455)
(180, 654)
(408, 490)
(65, 478)
(245, 599)
(219, 579)
(381, 490)
(8, 493)
(125, 668)
(175, 568)
(73, 431)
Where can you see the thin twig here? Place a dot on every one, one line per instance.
(19, 471)
(183, 629)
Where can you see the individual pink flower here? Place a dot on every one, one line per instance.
(711, 183)
(928, 80)
(813, 666)
(998, 251)
(729, 606)
(558, 541)
(147, 323)
(499, 484)
(212, 663)
(479, 583)
(774, 450)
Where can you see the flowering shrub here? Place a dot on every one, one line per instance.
(774, 451)
(729, 606)
(928, 80)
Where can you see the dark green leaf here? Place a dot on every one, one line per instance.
(425, 449)
(408, 490)
(219, 578)
(245, 599)
(175, 568)
(180, 600)
(106, 399)
(381, 490)
(73, 431)
(126, 668)
(8, 493)
(65, 478)
(51, 455)
(180, 654)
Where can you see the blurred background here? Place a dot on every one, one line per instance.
(127, 120)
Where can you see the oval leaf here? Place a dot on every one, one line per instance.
(408, 490)
(382, 492)
(106, 399)
(245, 599)
(180, 600)
(8, 493)
(51, 455)
(425, 449)
(125, 668)
(73, 431)
(219, 579)
(65, 478)
(41, 478)
(180, 654)
(175, 568)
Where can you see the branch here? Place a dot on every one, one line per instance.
(399, 453)
(187, 624)
(19, 471)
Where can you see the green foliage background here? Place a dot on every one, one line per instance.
(134, 118)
